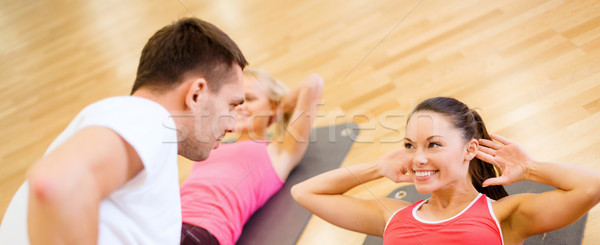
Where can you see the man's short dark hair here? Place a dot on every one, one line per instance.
(187, 45)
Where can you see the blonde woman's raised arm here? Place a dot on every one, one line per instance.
(291, 146)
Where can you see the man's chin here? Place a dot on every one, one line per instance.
(195, 156)
(196, 150)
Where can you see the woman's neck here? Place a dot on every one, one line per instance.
(453, 195)
(246, 135)
(447, 202)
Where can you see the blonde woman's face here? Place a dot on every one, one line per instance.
(257, 109)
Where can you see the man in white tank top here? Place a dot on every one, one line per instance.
(111, 176)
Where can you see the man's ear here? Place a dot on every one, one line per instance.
(196, 91)
(472, 148)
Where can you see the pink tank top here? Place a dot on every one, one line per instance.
(476, 224)
(222, 192)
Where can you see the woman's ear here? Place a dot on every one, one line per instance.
(472, 148)
(196, 91)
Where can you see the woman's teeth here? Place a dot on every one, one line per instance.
(425, 173)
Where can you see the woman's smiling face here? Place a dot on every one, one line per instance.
(437, 151)
(256, 112)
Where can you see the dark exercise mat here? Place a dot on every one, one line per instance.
(281, 220)
(572, 234)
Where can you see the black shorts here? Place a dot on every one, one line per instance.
(193, 235)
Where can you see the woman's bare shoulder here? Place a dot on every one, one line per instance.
(506, 206)
(389, 206)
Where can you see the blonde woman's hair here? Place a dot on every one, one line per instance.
(275, 90)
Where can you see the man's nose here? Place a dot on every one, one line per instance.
(230, 124)
(240, 108)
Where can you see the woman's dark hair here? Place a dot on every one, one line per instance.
(471, 124)
(189, 44)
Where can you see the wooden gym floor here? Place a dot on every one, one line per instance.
(531, 67)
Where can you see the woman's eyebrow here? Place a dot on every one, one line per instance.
(428, 138)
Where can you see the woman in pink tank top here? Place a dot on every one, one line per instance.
(221, 193)
(447, 152)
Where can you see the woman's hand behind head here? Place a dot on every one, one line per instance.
(395, 166)
(510, 157)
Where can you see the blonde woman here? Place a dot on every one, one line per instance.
(221, 193)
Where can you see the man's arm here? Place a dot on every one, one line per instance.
(68, 184)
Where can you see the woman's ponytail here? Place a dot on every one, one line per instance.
(479, 170)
